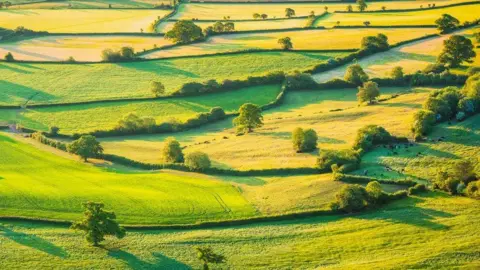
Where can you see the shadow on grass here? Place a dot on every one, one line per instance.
(161, 261)
(33, 241)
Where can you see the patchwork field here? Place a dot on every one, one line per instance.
(81, 21)
(336, 39)
(86, 4)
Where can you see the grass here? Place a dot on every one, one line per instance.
(81, 48)
(427, 17)
(104, 116)
(89, 4)
(80, 21)
(35, 183)
(302, 40)
(333, 114)
(433, 231)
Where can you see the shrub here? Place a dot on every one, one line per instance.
(468, 106)
(197, 161)
(124, 54)
(374, 190)
(286, 43)
(172, 152)
(157, 88)
(472, 87)
(304, 140)
(355, 75)
(342, 158)
(350, 198)
(375, 43)
(38, 136)
(299, 81)
(435, 68)
(371, 135)
(368, 92)
(131, 123)
(422, 123)
(53, 131)
(473, 190)
(417, 189)
(439, 107)
(184, 31)
(9, 57)
(397, 74)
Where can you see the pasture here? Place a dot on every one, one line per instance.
(87, 4)
(332, 39)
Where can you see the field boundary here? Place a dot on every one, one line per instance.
(412, 9)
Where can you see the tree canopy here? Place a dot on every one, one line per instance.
(250, 117)
(184, 31)
(172, 152)
(355, 75)
(285, 43)
(86, 147)
(207, 256)
(447, 23)
(456, 50)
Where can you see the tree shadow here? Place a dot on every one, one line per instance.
(33, 241)
(160, 68)
(161, 261)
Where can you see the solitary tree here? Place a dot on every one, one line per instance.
(172, 152)
(366, 23)
(197, 161)
(158, 89)
(256, 16)
(250, 117)
(447, 23)
(397, 73)
(384, 8)
(304, 140)
(97, 223)
(368, 92)
(355, 75)
(361, 5)
(285, 43)
(86, 147)
(349, 8)
(9, 57)
(264, 16)
(184, 31)
(456, 50)
(326, 9)
(206, 255)
(53, 131)
(289, 12)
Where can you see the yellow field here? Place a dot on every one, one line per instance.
(80, 21)
(91, 4)
(336, 130)
(59, 48)
(302, 40)
(427, 17)
(243, 11)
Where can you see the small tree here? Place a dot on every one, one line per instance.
(289, 12)
(9, 57)
(366, 23)
(384, 8)
(172, 152)
(355, 75)
(206, 256)
(250, 117)
(374, 190)
(158, 89)
(264, 16)
(285, 43)
(184, 31)
(456, 50)
(326, 9)
(422, 123)
(349, 8)
(256, 16)
(361, 5)
(397, 74)
(97, 223)
(369, 92)
(447, 23)
(350, 198)
(54, 131)
(304, 140)
(86, 147)
(197, 161)
(229, 27)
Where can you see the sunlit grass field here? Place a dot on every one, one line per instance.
(35, 4)
(81, 48)
(434, 231)
(59, 83)
(302, 40)
(333, 114)
(80, 21)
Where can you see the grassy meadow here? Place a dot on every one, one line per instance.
(434, 231)
(333, 114)
(87, 4)
(302, 40)
(60, 83)
(80, 21)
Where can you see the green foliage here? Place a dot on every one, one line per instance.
(355, 75)
(346, 160)
(184, 31)
(304, 140)
(422, 123)
(473, 190)
(472, 87)
(207, 256)
(98, 223)
(368, 92)
(397, 74)
(371, 135)
(351, 198)
(362, 5)
(300, 81)
(439, 107)
(172, 152)
(456, 50)
(131, 123)
(9, 57)
(374, 190)
(447, 23)
(379, 42)
(250, 117)
(158, 89)
(53, 131)
(86, 147)
(286, 43)
(124, 54)
(289, 12)
(417, 189)
(38, 136)
(197, 161)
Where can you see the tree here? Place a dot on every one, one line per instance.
(184, 32)
(54, 131)
(326, 9)
(86, 147)
(304, 140)
(369, 92)
(264, 16)
(456, 50)
(9, 57)
(349, 8)
(355, 75)
(361, 5)
(256, 16)
(250, 117)
(374, 190)
(366, 23)
(285, 43)
(172, 152)
(97, 223)
(472, 87)
(380, 42)
(422, 123)
(289, 12)
(158, 89)
(197, 161)
(218, 27)
(229, 27)
(206, 255)
(447, 23)
(397, 74)
(350, 198)
(384, 8)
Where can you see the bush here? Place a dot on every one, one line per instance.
(473, 190)
(131, 124)
(436, 68)
(342, 158)
(9, 57)
(417, 189)
(38, 136)
(157, 88)
(172, 152)
(375, 43)
(368, 92)
(350, 198)
(184, 31)
(355, 75)
(371, 135)
(472, 87)
(197, 161)
(374, 190)
(299, 81)
(86, 147)
(397, 74)
(124, 54)
(304, 140)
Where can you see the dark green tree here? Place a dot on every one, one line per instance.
(158, 89)
(304, 140)
(86, 147)
(172, 152)
(355, 75)
(289, 12)
(250, 117)
(456, 50)
(368, 92)
(362, 5)
(97, 223)
(207, 256)
(350, 198)
(286, 43)
(9, 57)
(447, 23)
(184, 32)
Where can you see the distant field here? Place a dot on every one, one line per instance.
(35, 183)
(426, 17)
(88, 4)
(81, 48)
(80, 21)
(58, 83)
(410, 57)
(87, 118)
(210, 11)
(302, 40)
(333, 114)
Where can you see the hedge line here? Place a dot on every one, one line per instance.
(357, 179)
(412, 9)
(385, 26)
(244, 20)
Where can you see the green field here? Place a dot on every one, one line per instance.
(336, 39)
(59, 83)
